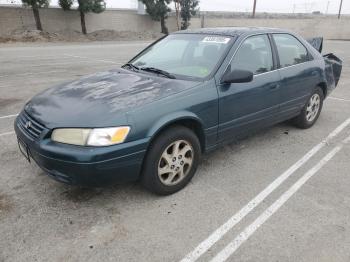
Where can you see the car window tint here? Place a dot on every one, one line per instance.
(290, 50)
(254, 55)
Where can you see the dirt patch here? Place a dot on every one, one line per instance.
(8, 155)
(8, 101)
(27, 36)
(5, 205)
(110, 35)
(80, 194)
(76, 36)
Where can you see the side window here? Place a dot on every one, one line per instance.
(290, 50)
(254, 55)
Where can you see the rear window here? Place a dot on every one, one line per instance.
(290, 50)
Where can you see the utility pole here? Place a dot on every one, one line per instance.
(327, 7)
(341, 4)
(305, 5)
(254, 8)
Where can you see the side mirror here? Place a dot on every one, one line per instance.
(237, 76)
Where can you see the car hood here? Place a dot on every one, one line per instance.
(101, 99)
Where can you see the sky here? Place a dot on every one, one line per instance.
(278, 6)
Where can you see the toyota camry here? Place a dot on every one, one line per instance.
(184, 95)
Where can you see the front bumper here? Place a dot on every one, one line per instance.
(88, 166)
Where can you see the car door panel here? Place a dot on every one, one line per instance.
(296, 85)
(248, 106)
(245, 107)
(298, 76)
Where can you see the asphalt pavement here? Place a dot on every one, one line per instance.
(279, 195)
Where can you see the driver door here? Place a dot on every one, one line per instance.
(245, 107)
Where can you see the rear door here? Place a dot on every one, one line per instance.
(247, 106)
(298, 75)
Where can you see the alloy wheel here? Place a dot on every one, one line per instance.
(175, 162)
(313, 107)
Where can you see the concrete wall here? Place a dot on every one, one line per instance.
(56, 20)
(330, 28)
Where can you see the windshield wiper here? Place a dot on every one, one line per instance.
(130, 65)
(158, 71)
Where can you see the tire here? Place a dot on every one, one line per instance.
(308, 116)
(162, 173)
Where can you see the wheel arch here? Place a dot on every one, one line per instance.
(186, 119)
(323, 86)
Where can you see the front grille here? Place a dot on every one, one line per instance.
(29, 125)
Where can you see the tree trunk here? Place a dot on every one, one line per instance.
(202, 21)
(185, 24)
(177, 12)
(37, 18)
(163, 25)
(82, 21)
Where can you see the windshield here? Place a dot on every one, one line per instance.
(185, 55)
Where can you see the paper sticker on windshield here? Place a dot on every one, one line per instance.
(216, 39)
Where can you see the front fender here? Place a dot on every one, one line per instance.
(171, 119)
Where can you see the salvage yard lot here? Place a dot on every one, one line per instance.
(42, 220)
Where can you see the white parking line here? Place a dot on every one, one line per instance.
(7, 133)
(72, 47)
(249, 230)
(38, 57)
(9, 116)
(73, 64)
(34, 73)
(339, 99)
(95, 60)
(236, 218)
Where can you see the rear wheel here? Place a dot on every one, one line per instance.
(311, 110)
(171, 161)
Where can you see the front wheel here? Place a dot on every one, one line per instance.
(171, 161)
(311, 110)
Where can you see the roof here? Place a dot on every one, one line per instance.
(229, 31)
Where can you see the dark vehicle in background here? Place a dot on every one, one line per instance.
(184, 95)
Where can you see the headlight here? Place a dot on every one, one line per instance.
(108, 136)
(91, 137)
